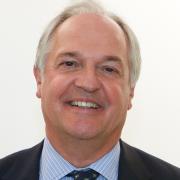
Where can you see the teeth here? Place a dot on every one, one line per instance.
(84, 104)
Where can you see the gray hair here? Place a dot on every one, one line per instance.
(90, 6)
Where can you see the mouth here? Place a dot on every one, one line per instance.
(84, 104)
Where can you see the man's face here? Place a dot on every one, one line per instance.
(84, 89)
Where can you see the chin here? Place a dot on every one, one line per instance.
(84, 134)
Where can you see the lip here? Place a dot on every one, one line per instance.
(100, 105)
(81, 110)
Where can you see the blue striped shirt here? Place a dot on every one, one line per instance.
(54, 167)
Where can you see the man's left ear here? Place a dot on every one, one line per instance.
(37, 75)
(131, 95)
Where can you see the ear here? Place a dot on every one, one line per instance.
(37, 75)
(131, 95)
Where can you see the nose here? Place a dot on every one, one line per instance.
(88, 80)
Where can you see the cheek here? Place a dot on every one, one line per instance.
(56, 86)
(119, 100)
(116, 93)
(54, 89)
(116, 110)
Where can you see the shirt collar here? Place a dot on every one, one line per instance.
(108, 164)
(53, 166)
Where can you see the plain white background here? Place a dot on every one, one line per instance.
(153, 124)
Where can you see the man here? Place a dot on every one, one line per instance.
(87, 65)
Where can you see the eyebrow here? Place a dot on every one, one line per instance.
(76, 54)
(110, 58)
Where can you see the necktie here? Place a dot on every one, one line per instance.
(89, 174)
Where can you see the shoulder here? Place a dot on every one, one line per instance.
(155, 166)
(14, 162)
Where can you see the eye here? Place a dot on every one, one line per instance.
(69, 64)
(110, 70)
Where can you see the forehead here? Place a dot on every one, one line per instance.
(90, 20)
(91, 32)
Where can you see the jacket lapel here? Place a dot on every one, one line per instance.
(131, 166)
(27, 166)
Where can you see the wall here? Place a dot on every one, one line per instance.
(153, 124)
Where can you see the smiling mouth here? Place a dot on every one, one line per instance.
(84, 104)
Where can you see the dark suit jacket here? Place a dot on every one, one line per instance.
(134, 165)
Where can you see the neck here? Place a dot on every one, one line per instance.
(82, 152)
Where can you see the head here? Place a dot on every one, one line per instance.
(87, 65)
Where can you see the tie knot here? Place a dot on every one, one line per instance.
(88, 174)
